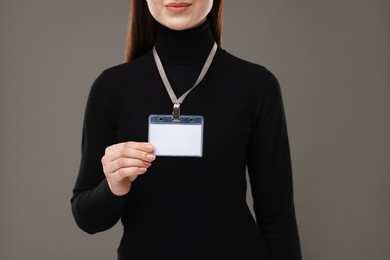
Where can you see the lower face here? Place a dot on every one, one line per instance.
(180, 14)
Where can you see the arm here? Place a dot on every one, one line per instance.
(269, 167)
(94, 207)
(107, 168)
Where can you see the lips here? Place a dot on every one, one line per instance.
(178, 7)
(178, 4)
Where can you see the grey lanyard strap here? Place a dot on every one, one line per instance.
(177, 101)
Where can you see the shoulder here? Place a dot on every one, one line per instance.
(248, 71)
(132, 68)
(121, 77)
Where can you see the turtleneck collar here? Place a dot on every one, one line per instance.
(184, 47)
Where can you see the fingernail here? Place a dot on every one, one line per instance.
(149, 147)
(143, 170)
(151, 156)
(147, 164)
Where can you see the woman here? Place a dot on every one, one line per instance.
(187, 207)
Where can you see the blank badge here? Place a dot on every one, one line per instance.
(182, 137)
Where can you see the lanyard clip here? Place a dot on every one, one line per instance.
(176, 112)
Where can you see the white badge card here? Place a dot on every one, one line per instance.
(176, 138)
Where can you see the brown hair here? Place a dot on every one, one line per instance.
(141, 30)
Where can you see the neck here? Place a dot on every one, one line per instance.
(184, 47)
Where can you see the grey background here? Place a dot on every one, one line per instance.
(331, 57)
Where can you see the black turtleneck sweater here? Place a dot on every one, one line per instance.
(188, 208)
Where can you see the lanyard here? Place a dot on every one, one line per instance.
(177, 101)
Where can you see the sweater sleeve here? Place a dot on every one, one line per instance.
(94, 207)
(270, 173)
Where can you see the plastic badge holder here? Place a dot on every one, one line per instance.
(176, 138)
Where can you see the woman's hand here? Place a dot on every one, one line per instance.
(123, 162)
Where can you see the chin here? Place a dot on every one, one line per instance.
(177, 27)
(179, 24)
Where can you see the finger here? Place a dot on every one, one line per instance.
(130, 150)
(129, 172)
(140, 155)
(124, 162)
(132, 178)
(142, 146)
